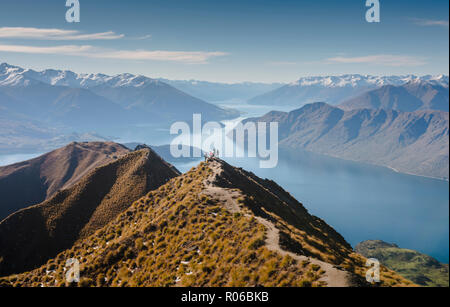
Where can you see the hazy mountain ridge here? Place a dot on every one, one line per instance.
(215, 91)
(336, 89)
(412, 96)
(30, 236)
(162, 102)
(214, 226)
(67, 109)
(422, 269)
(410, 142)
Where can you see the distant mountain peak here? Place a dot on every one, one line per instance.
(4, 66)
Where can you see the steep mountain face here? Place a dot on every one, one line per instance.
(421, 269)
(213, 226)
(29, 237)
(64, 96)
(335, 89)
(31, 182)
(411, 142)
(413, 96)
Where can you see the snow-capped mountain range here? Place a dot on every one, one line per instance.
(332, 89)
(356, 80)
(336, 89)
(16, 76)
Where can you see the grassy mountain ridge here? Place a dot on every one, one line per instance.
(417, 267)
(216, 225)
(31, 236)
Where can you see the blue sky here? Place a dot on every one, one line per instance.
(228, 41)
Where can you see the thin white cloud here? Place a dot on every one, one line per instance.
(144, 37)
(431, 22)
(67, 49)
(193, 57)
(380, 59)
(54, 34)
(189, 57)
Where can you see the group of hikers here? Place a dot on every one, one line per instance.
(211, 155)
